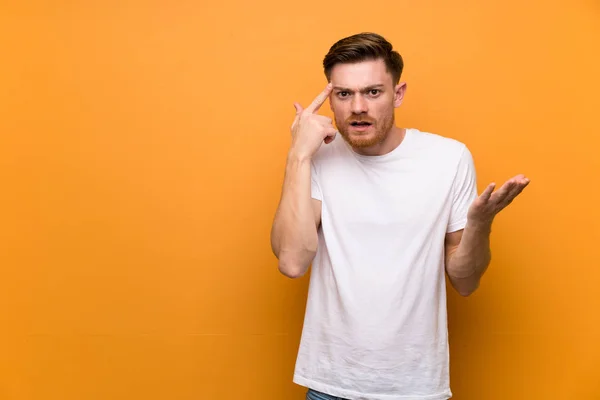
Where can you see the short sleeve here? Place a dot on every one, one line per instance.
(464, 191)
(315, 188)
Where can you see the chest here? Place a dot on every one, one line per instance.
(391, 197)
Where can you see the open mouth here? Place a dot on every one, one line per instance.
(360, 123)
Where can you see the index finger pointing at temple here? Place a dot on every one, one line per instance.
(319, 100)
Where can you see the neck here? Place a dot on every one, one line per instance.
(392, 140)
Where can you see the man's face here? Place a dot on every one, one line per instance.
(363, 101)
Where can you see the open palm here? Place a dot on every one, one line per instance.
(490, 203)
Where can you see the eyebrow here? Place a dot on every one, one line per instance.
(363, 89)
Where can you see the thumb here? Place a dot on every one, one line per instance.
(298, 108)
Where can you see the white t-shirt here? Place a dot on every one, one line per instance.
(375, 326)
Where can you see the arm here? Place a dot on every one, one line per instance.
(294, 231)
(468, 251)
(467, 257)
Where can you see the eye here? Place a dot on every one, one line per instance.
(342, 94)
(374, 92)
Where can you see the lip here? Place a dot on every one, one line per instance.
(360, 128)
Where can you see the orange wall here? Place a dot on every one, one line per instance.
(141, 155)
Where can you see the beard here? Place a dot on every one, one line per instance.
(375, 135)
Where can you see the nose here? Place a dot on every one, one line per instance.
(359, 105)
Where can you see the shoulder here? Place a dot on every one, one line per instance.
(442, 149)
(328, 153)
(436, 141)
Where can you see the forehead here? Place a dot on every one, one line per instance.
(361, 74)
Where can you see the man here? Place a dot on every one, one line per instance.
(382, 213)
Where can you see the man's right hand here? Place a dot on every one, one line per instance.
(309, 129)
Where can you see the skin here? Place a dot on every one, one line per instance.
(365, 91)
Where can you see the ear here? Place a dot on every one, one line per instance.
(399, 91)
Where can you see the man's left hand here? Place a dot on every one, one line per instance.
(489, 203)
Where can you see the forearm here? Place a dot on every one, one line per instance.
(472, 257)
(294, 232)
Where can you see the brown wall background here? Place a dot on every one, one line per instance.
(142, 147)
